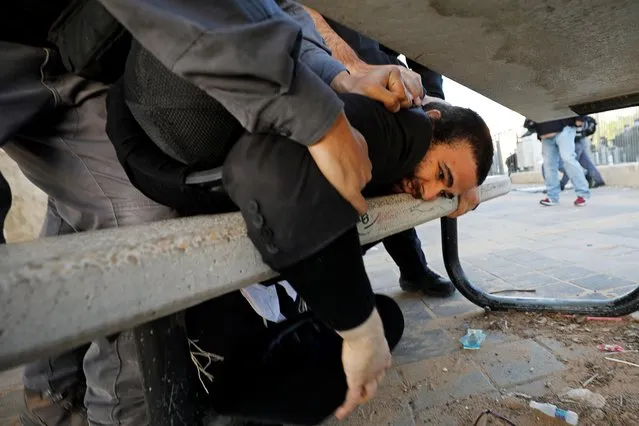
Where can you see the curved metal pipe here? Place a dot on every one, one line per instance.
(619, 306)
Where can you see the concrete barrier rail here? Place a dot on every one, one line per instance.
(60, 292)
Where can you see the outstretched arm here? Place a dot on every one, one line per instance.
(340, 49)
(410, 92)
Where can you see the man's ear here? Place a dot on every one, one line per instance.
(434, 114)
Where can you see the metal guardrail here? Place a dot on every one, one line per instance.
(60, 292)
(622, 305)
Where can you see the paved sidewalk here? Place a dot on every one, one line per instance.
(508, 243)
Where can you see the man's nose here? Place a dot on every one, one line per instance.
(429, 193)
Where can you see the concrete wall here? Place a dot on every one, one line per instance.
(626, 175)
(28, 205)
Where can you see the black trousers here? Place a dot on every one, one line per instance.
(5, 204)
(290, 372)
(406, 250)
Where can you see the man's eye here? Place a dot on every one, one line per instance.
(440, 176)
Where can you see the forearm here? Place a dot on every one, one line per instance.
(339, 48)
(313, 50)
(247, 56)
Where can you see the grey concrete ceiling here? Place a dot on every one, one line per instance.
(545, 59)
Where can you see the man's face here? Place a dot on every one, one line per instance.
(447, 170)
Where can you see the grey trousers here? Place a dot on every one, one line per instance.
(55, 123)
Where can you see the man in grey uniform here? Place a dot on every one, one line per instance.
(53, 127)
(251, 57)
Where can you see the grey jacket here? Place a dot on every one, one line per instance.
(263, 60)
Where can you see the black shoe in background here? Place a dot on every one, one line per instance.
(430, 283)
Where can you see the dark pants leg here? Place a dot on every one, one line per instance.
(585, 161)
(289, 372)
(5, 204)
(56, 124)
(406, 250)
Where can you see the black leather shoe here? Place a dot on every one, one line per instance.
(431, 284)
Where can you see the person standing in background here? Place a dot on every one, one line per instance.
(558, 145)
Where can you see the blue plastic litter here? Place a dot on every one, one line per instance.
(473, 339)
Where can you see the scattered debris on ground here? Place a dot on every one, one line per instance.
(599, 390)
(473, 339)
(584, 396)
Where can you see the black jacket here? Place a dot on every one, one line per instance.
(554, 126)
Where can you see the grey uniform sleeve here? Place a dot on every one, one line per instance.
(314, 51)
(244, 53)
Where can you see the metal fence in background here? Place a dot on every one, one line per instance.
(615, 141)
(497, 167)
(617, 138)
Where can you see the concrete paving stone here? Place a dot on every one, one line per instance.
(601, 282)
(620, 251)
(621, 291)
(494, 285)
(593, 295)
(389, 407)
(537, 388)
(377, 257)
(11, 404)
(391, 379)
(561, 350)
(595, 262)
(511, 271)
(479, 275)
(383, 278)
(382, 410)
(623, 268)
(515, 253)
(436, 418)
(418, 343)
(494, 338)
(10, 380)
(413, 308)
(585, 258)
(548, 237)
(394, 292)
(627, 232)
(540, 263)
(484, 259)
(535, 245)
(570, 272)
(533, 280)
(452, 306)
(628, 272)
(562, 289)
(516, 363)
(460, 386)
(422, 371)
(531, 258)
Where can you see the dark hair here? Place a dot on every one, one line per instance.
(462, 123)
